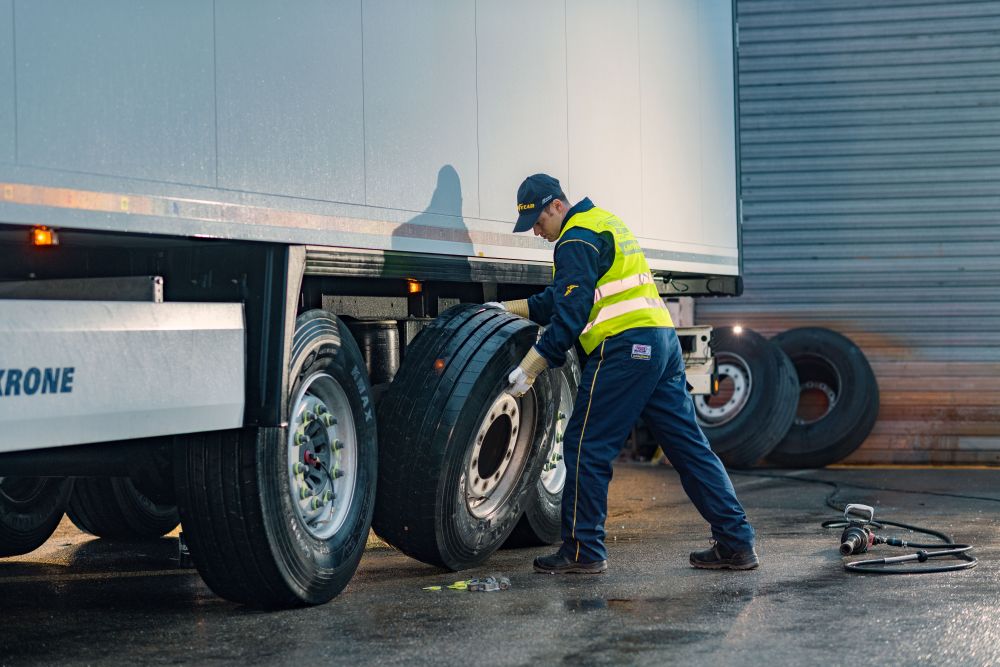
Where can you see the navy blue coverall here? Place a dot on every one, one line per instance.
(617, 387)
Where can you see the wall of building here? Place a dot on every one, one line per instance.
(870, 162)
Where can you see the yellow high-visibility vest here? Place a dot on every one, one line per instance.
(625, 297)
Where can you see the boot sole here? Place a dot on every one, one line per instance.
(570, 570)
(725, 566)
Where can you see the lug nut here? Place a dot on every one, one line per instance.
(301, 438)
(337, 445)
(304, 492)
(327, 419)
(338, 473)
(299, 468)
(562, 415)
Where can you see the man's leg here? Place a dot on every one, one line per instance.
(613, 389)
(670, 415)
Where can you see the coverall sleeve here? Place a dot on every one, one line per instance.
(540, 305)
(572, 294)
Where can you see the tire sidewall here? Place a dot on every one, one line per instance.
(335, 558)
(857, 400)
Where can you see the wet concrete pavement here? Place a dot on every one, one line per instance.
(79, 600)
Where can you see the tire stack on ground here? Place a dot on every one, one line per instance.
(806, 398)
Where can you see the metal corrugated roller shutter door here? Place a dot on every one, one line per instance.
(870, 160)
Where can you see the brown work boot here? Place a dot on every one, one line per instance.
(721, 558)
(557, 563)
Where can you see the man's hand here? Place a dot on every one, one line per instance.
(521, 378)
(495, 304)
(520, 382)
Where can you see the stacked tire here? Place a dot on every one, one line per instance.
(806, 398)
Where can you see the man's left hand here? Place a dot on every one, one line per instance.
(522, 377)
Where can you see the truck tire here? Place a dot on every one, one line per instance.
(459, 456)
(30, 510)
(838, 400)
(113, 508)
(541, 522)
(278, 517)
(756, 403)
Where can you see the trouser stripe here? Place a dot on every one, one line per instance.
(579, 446)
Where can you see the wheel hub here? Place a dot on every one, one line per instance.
(736, 383)
(322, 455)
(554, 470)
(498, 452)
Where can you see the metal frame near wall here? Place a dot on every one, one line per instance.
(870, 173)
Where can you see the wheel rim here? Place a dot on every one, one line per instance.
(21, 492)
(500, 448)
(818, 395)
(735, 385)
(322, 456)
(554, 470)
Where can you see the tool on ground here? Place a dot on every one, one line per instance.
(858, 537)
(482, 585)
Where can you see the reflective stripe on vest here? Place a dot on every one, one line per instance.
(616, 286)
(624, 308)
(625, 297)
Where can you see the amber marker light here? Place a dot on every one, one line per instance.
(43, 236)
(414, 286)
(439, 366)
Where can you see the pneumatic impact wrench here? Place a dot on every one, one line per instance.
(857, 537)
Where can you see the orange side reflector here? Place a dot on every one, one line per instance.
(41, 236)
(414, 286)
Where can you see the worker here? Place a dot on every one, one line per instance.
(603, 296)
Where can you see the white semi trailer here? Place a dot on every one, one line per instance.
(223, 224)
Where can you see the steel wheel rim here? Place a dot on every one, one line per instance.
(554, 470)
(825, 379)
(499, 450)
(322, 456)
(737, 370)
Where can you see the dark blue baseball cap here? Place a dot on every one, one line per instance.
(533, 196)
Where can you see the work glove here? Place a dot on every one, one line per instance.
(521, 378)
(518, 307)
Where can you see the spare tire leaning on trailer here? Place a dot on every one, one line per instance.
(279, 517)
(458, 455)
(115, 508)
(30, 510)
(838, 402)
(757, 399)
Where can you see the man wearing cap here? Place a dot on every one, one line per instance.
(602, 295)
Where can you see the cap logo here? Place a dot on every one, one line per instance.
(525, 207)
(547, 199)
